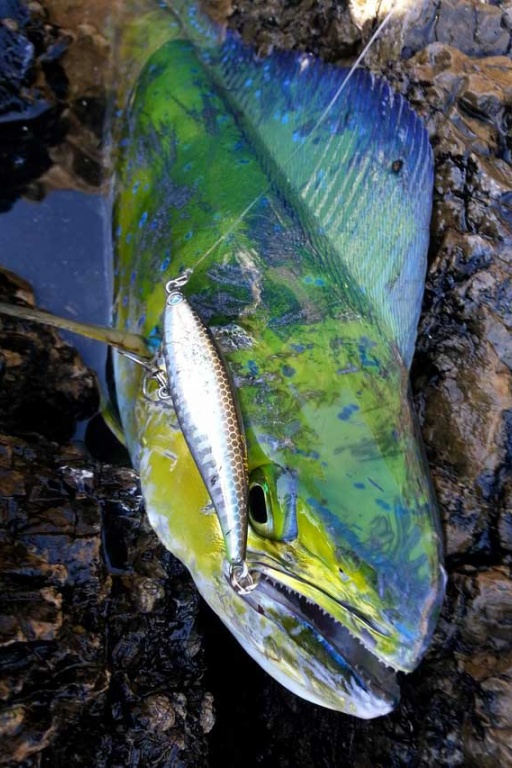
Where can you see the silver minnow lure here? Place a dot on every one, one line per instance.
(202, 394)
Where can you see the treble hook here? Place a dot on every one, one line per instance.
(154, 372)
(241, 578)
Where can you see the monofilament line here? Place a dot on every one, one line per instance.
(306, 141)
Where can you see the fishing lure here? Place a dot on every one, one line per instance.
(202, 394)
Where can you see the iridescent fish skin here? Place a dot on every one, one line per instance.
(314, 296)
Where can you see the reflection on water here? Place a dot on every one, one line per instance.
(58, 245)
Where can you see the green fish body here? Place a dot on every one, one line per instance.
(313, 295)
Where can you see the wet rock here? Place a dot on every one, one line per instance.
(473, 28)
(52, 98)
(326, 29)
(46, 404)
(85, 673)
(464, 342)
(100, 658)
(30, 82)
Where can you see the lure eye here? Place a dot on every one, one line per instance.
(272, 503)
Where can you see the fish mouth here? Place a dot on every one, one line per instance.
(357, 670)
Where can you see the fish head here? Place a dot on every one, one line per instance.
(342, 548)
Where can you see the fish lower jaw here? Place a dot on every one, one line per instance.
(370, 631)
(313, 629)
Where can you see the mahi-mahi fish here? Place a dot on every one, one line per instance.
(300, 199)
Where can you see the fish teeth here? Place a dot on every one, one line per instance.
(287, 589)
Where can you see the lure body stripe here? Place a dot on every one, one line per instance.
(203, 399)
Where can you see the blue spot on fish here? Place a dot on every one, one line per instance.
(347, 412)
(364, 346)
(143, 219)
(165, 263)
(317, 506)
(383, 504)
(135, 187)
(128, 237)
(360, 486)
(188, 235)
(252, 367)
(288, 371)
(154, 339)
(308, 454)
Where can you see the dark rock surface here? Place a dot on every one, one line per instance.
(101, 662)
(102, 639)
(47, 404)
(52, 103)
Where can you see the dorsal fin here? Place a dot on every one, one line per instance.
(363, 176)
(352, 154)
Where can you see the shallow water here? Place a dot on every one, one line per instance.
(58, 246)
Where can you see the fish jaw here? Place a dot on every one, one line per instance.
(307, 650)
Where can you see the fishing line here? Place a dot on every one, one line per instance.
(327, 110)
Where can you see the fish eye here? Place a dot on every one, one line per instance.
(272, 503)
(258, 505)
